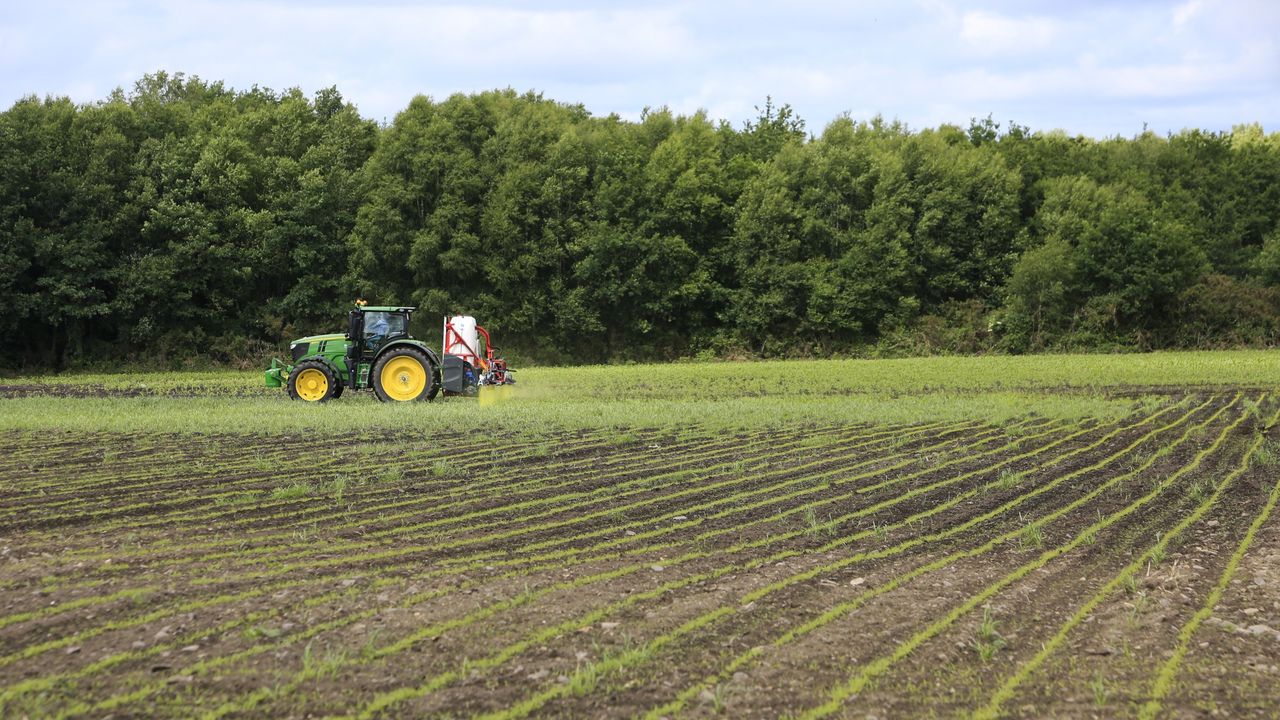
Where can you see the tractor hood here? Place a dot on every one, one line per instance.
(317, 344)
(312, 339)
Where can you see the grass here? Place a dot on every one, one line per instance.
(444, 468)
(1031, 536)
(322, 666)
(293, 491)
(235, 499)
(816, 527)
(1009, 479)
(522, 414)
(712, 395)
(809, 377)
(1267, 454)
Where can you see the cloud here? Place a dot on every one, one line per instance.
(995, 34)
(1183, 13)
(1090, 67)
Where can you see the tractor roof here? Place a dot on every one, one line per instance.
(386, 308)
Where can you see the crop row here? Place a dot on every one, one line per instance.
(256, 577)
(590, 538)
(82, 637)
(189, 551)
(190, 606)
(702, 621)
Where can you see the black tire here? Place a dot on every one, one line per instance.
(308, 393)
(337, 392)
(410, 390)
(436, 385)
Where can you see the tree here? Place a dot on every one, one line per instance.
(1123, 265)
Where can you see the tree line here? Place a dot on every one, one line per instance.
(184, 220)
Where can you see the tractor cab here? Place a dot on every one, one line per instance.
(373, 327)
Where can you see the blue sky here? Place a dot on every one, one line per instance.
(1086, 67)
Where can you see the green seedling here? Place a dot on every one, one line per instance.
(1031, 536)
(444, 468)
(292, 491)
(326, 666)
(988, 641)
(1266, 454)
(1009, 479)
(1099, 689)
(1157, 554)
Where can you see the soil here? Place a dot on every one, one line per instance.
(569, 577)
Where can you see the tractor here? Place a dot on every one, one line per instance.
(377, 352)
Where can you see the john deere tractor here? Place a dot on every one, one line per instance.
(377, 352)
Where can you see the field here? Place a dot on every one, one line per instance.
(1091, 536)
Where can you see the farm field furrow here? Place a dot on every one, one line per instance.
(630, 470)
(255, 578)
(1084, 549)
(698, 623)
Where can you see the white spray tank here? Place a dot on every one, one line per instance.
(461, 338)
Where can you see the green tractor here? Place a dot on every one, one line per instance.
(377, 352)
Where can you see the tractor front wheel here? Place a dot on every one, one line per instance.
(312, 381)
(404, 374)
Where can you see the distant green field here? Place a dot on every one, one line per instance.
(709, 395)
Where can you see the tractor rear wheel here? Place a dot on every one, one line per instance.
(405, 374)
(312, 381)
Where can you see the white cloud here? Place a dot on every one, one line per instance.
(1090, 67)
(991, 33)
(1183, 13)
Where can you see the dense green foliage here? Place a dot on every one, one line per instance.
(187, 217)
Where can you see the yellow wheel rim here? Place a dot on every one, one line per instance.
(312, 385)
(403, 378)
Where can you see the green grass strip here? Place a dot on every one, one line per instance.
(130, 594)
(838, 695)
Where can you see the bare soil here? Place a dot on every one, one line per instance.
(584, 575)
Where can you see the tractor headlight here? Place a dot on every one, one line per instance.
(298, 350)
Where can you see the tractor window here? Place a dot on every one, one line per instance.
(379, 326)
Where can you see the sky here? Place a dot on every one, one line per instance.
(1085, 67)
